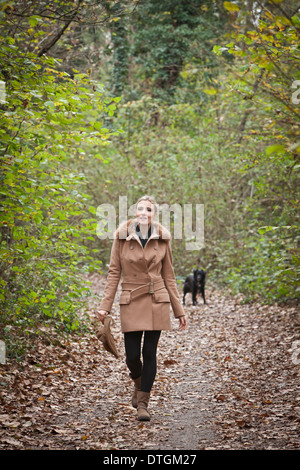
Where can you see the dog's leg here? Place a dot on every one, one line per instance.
(203, 294)
(194, 294)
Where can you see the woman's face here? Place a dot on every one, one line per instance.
(144, 212)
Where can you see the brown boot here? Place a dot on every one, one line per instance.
(137, 386)
(142, 405)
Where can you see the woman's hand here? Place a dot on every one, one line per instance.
(101, 314)
(182, 323)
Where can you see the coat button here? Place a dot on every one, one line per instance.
(131, 247)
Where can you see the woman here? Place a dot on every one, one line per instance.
(141, 251)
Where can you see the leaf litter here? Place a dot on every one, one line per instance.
(230, 381)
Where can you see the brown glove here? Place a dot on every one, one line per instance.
(103, 333)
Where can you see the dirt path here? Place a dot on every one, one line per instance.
(230, 381)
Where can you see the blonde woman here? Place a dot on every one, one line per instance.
(141, 252)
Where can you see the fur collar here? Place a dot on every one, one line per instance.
(127, 230)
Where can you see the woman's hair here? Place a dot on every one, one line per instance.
(150, 199)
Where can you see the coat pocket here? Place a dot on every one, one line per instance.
(161, 296)
(125, 298)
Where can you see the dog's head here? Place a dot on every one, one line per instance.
(199, 275)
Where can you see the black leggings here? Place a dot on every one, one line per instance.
(147, 369)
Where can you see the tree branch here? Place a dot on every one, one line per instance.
(58, 35)
(247, 113)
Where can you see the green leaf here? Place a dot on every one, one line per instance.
(232, 7)
(210, 91)
(33, 20)
(277, 148)
(50, 104)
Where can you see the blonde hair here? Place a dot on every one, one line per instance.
(151, 199)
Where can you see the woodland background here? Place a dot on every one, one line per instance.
(192, 101)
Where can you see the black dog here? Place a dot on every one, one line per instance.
(195, 283)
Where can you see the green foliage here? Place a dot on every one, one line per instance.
(48, 122)
(152, 46)
(265, 70)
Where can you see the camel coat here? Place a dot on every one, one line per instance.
(148, 280)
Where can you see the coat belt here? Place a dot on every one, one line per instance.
(149, 288)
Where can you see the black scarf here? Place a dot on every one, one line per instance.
(143, 240)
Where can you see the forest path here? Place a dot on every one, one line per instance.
(230, 381)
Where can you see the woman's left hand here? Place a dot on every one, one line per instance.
(182, 323)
